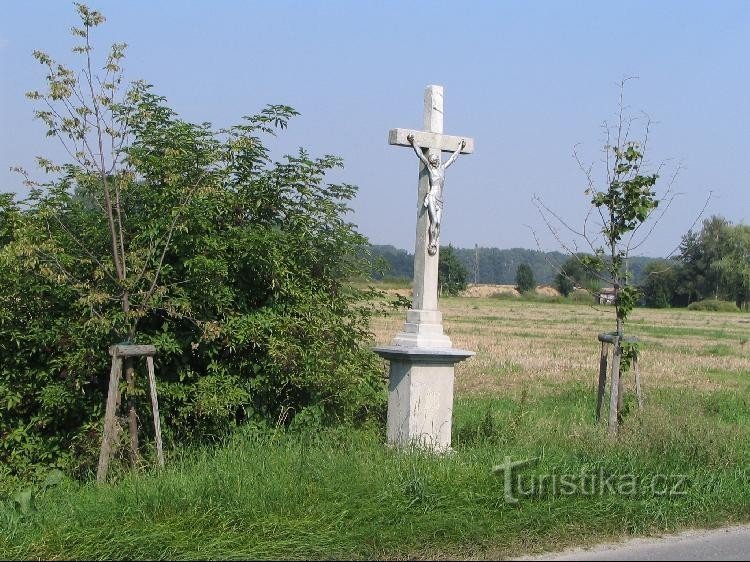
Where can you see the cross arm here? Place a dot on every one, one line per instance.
(423, 139)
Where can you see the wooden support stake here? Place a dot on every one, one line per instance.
(113, 398)
(118, 352)
(620, 394)
(155, 409)
(128, 350)
(614, 400)
(638, 392)
(602, 379)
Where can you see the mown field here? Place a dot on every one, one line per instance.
(541, 347)
(528, 394)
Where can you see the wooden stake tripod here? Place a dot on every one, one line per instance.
(118, 352)
(616, 393)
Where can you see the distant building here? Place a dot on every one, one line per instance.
(605, 296)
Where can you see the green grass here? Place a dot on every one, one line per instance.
(341, 493)
(673, 331)
(387, 283)
(718, 350)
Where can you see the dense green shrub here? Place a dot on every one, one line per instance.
(525, 278)
(576, 273)
(237, 272)
(660, 284)
(714, 305)
(451, 272)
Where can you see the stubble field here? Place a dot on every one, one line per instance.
(542, 347)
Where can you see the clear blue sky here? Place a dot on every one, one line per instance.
(527, 80)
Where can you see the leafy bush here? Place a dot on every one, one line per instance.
(236, 270)
(714, 305)
(575, 273)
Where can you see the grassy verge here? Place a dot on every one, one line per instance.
(341, 493)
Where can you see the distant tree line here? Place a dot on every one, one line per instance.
(712, 264)
(492, 265)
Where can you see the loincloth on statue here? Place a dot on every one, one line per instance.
(434, 199)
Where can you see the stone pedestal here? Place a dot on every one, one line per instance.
(424, 329)
(422, 358)
(420, 395)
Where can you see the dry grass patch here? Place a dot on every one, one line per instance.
(488, 290)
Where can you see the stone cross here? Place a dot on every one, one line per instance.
(425, 287)
(432, 139)
(422, 358)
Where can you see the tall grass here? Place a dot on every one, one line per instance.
(341, 493)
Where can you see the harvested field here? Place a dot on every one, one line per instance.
(484, 291)
(541, 346)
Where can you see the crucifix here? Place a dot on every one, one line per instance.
(430, 193)
(421, 356)
(424, 322)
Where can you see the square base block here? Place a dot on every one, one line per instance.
(420, 396)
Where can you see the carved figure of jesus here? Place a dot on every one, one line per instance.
(434, 198)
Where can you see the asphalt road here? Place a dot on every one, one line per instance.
(730, 543)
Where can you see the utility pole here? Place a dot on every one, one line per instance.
(476, 263)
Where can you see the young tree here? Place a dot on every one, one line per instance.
(93, 115)
(620, 207)
(525, 278)
(452, 274)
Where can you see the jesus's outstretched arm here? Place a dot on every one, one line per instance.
(453, 157)
(418, 150)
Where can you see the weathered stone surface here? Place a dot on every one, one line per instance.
(420, 396)
(448, 355)
(445, 143)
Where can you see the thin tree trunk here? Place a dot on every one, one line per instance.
(616, 390)
(620, 394)
(132, 414)
(130, 379)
